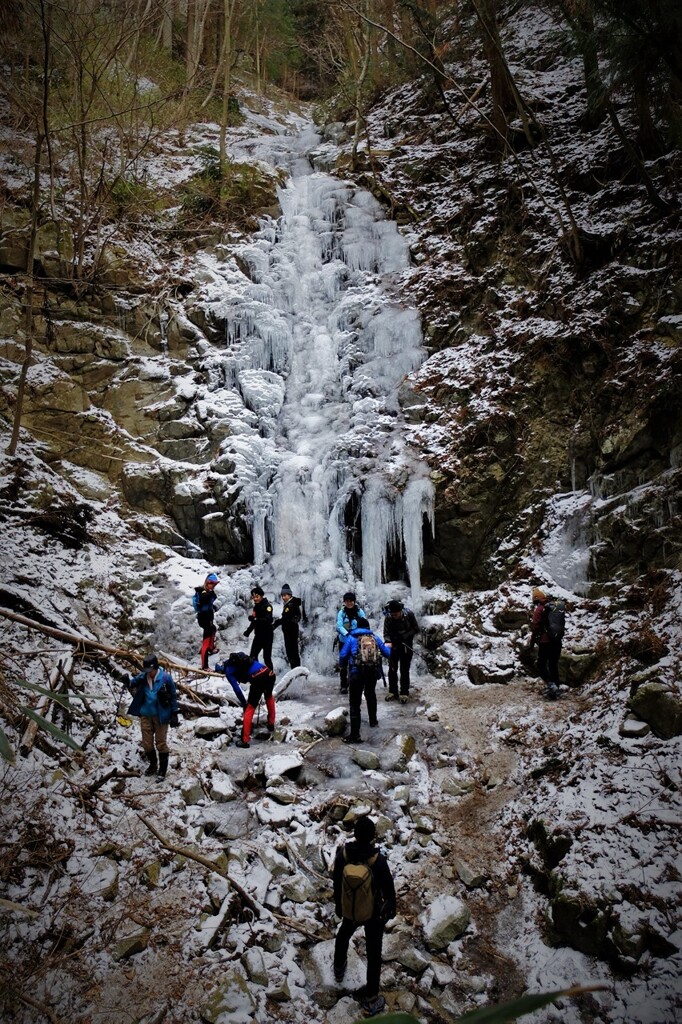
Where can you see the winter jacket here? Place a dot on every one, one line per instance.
(146, 701)
(350, 646)
(539, 633)
(346, 620)
(238, 676)
(402, 630)
(384, 889)
(203, 600)
(291, 614)
(260, 618)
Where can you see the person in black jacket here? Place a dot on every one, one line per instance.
(400, 629)
(261, 627)
(363, 850)
(289, 620)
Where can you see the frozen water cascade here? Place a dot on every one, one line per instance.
(316, 344)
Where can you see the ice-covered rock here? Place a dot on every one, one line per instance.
(446, 919)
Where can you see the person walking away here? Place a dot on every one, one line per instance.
(362, 652)
(548, 623)
(289, 620)
(155, 702)
(364, 894)
(400, 630)
(346, 620)
(203, 601)
(261, 626)
(241, 669)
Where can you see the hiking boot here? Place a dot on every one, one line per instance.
(390, 696)
(352, 739)
(271, 728)
(152, 763)
(241, 743)
(163, 766)
(404, 698)
(373, 1005)
(343, 689)
(339, 972)
(373, 724)
(552, 692)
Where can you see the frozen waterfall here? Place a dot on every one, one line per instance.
(317, 343)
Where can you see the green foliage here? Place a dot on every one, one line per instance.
(63, 699)
(236, 192)
(132, 199)
(504, 1013)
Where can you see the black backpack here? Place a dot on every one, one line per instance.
(555, 612)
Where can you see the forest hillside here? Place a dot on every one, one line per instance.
(379, 296)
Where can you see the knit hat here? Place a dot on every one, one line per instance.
(350, 596)
(395, 606)
(258, 590)
(362, 623)
(539, 595)
(364, 830)
(211, 578)
(286, 589)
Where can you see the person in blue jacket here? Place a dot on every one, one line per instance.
(362, 652)
(241, 669)
(346, 620)
(155, 702)
(203, 602)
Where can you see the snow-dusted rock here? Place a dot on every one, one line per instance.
(336, 721)
(230, 1003)
(472, 878)
(269, 812)
(446, 919)
(276, 863)
(223, 790)
(254, 965)
(283, 765)
(365, 759)
(209, 727)
(633, 727)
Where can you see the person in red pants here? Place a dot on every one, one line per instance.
(203, 602)
(241, 669)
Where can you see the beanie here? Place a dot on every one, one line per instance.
(286, 589)
(364, 830)
(350, 596)
(258, 590)
(395, 606)
(362, 623)
(211, 578)
(539, 595)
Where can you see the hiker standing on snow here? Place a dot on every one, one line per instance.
(289, 620)
(239, 670)
(400, 629)
(361, 653)
(547, 631)
(364, 894)
(203, 602)
(346, 620)
(155, 702)
(261, 626)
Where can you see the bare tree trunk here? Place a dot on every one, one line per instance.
(167, 26)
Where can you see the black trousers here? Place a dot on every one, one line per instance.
(356, 687)
(290, 634)
(374, 937)
(262, 641)
(549, 653)
(399, 661)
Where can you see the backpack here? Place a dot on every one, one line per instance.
(556, 619)
(367, 655)
(196, 600)
(357, 890)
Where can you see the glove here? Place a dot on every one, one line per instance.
(219, 667)
(174, 721)
(246, 632)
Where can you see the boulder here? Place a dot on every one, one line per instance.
(445, 920)
(660, 706)
(336, 721)
(131, 945)
(231, 1002)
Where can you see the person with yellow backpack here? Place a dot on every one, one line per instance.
(364, 894)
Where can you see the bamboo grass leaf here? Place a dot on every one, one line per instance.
(6, 752)
(50, 727)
